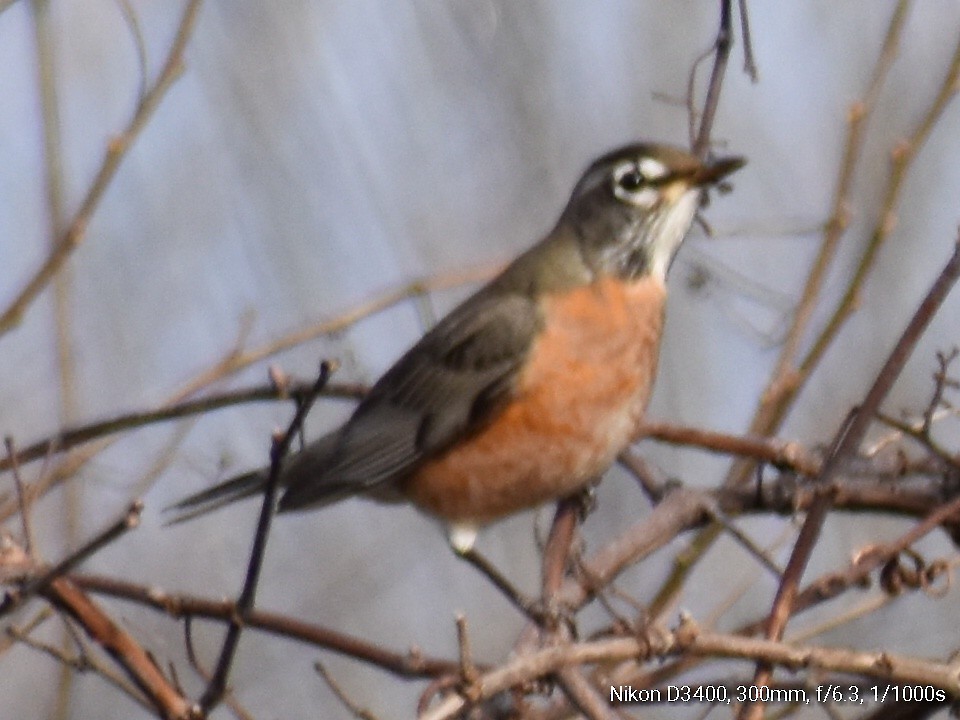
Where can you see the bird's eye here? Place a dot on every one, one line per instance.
(630, 180)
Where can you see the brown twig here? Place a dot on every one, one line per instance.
(651, 480)
(22, 504)
(117, 149)
(236, 360)
(84, 661)
(72, 437)
(684, 509)
(136, 34)
(556, 552)
(701, 145)
(353, 708)
(7, 640)
(749, 63)
(406, 665)
(830, 585)
(845, 446)
(902, 157)
(941, 381)
(783, 454)
(130, 520)
(786, 379)
(501, 582)
(468, 670)
(46, 54)
(242, 359)
(135, 661)
(916, 432)
(583, 695)
(688, 638)
(278, 452)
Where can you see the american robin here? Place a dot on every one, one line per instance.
(531, 387)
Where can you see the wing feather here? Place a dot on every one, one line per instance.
(445, 387)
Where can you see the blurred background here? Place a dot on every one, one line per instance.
(315, 154)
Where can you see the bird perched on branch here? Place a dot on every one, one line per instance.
(530, 388)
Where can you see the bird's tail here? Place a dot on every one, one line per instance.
(201, 503)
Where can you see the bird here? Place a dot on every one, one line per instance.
(529, 389)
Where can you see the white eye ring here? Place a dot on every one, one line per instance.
(652, 169)
(630, 183)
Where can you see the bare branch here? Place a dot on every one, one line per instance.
(844, 447)
(278, 452)
(116, 151)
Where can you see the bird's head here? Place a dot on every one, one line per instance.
(633, 207)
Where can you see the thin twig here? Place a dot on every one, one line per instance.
(745, 541)
(7, 641)
(361, 713)
(129, 520)
(784, 380)
(783, 454)
(845, 446)
(468, 670)
(556, 553)
(85, 661)
(117, 149)
(405, 665)
(47, 80)
(236, 360)
(229, 699)
(902, 158)
(490, 571)
(651, 480)
(749, 64)
(22, 504)
(72, 437)
(724, 40)
(583, 695)
(916, 432)
(941, 380)
(278, 451)
(136, 33)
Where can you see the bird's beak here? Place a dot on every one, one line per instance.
(713, 171)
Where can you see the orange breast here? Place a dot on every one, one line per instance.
(584, 389)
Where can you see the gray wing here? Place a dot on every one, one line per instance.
(445, 387)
